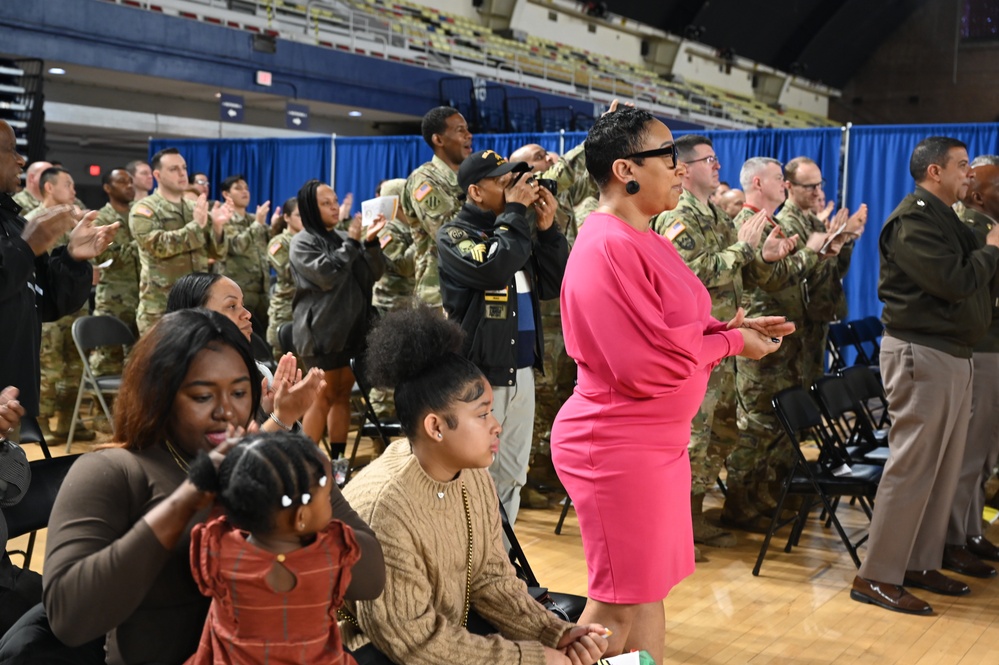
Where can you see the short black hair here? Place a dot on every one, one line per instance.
(418, 352)
(228, 183)
(191, 291)
(48, 175)
(106, 176)
(685, 145)
(931, 150)
(258, 473)
(435, 122)
(154, 163)
(615, 136)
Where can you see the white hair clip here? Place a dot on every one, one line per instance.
(322, 481)
(286, 501)
(306, 497)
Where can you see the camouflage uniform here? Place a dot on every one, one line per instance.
(395, 287)
(27, 201)
(118, 289)
(279, 310)
(757, 381)
(554, 386)
(708, 242)
(247, 265)
(823, 293)
(398, 282)
(59, 360)
(430, 200)
(171, 245)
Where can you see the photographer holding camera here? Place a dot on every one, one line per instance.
(492, 276)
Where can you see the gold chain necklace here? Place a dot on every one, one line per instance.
(468, 575)
(181, 462)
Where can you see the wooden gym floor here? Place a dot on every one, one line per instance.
(798, 612)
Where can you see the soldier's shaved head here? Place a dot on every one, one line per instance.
(983, 193)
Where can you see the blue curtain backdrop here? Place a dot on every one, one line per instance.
(363, 161)
(878, 175)
(274, 168)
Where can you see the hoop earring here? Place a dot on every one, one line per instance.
(632, 187)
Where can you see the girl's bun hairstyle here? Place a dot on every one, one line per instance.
(419, 354)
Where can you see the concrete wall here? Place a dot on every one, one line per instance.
(911, 78)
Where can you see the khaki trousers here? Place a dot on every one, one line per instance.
(980, 452)
(929, 400)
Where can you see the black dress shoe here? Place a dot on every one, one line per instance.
(960, 560)
(935, 581)
(983, 548)
(889, 596)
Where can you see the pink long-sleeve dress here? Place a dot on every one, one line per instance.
(638, 323)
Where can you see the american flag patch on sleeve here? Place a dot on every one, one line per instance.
(422, 191)
(675, 230)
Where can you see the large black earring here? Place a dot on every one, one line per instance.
(632, 187)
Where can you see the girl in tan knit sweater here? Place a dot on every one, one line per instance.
(434, 508)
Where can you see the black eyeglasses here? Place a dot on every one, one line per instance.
(658, 152)
(812, 187)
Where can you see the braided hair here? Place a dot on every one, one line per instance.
(261, 475)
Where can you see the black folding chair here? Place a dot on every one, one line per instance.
(90, 333)
(370, 424)
(32, 433)
(838, 341)
(866, 388)
(846, 417)
(568, 606)
(262, 352)
(818, 482)
(286, 337)
(867, 334)
(32, 512)
(561, 518)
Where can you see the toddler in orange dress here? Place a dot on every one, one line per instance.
(276, 564)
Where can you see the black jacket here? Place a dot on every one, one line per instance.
(32, 289)
(935, 277)
(332, 306)
(479, 254)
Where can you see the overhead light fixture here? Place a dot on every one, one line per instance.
(218, 95)
(57, 71)
(355, 114)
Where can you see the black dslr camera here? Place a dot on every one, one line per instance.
(549, 184)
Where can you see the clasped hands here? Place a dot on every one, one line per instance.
(761, 335)
(580, 645)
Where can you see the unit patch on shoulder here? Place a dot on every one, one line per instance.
(422, 191)
(675, 230)
(143, 210)
(456, 234)
(684, 241)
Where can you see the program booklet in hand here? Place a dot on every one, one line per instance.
(383, 205)
(832, 236)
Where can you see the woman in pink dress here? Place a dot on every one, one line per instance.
(638, 323)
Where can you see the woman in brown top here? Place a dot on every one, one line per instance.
(119, 536)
